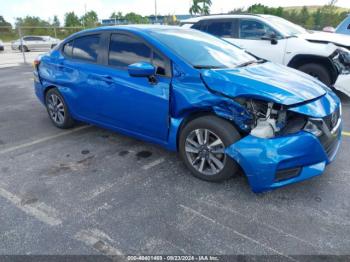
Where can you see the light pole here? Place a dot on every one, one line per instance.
(155, 10)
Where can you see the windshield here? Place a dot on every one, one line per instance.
(286, 27)
(202, 50)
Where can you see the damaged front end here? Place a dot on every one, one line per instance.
(287, 144)
(341, 60)
(291, 129)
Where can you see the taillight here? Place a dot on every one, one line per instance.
(36, 62)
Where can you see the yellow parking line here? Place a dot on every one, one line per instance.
(346, 133)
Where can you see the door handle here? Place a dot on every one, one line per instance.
(105, 78)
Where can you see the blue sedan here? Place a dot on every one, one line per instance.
(221, 108)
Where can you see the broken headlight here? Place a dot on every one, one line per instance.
(341, 59)
(312, 128)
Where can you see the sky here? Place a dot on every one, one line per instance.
(46, 9)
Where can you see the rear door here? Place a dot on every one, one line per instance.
(40, 43)
(29, 42)
(76, 72)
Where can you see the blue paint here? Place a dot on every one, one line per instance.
(126, 101)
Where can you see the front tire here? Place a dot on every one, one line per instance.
(318, 71)
(58, 110)
(202, 148)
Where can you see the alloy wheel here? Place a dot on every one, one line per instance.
(56, 109)
(205, 151)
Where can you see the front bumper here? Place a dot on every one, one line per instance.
(263, 159)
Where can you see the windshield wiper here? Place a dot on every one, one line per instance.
(206, 67)
(250, 62)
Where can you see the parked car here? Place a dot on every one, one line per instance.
(2, 48)
(322, 55)
(31, 43)
(218, 106)
(344, 27)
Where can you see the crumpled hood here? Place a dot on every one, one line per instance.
(268, 81)
(337, 39)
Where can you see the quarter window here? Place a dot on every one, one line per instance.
(125, 50)
(251, 29)
(160, 64)
(86, 48)
(220, 28)
(68, 48)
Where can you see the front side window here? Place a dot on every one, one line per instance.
(255, 30)
(86, 47)
(220, 28)
(125, 50)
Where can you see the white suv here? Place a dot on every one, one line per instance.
(322, 55)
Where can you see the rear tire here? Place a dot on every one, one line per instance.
(25, 49)
(318, 71)
(58, 110)
(202, 144)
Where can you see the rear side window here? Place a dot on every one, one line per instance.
(220, 28)
(125, 50)
(86, 47)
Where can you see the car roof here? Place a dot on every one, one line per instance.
(221, 16)
(140, 28)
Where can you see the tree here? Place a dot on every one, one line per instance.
(56, 21)
(118, 15)
(206, 7)
(90, 19)
(195, 8)
(133, 18)
(71, 19)
(4, 23)
(303, 16)
(200, 7)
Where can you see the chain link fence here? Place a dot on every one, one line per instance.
(24, 44)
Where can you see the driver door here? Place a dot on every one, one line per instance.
(250, 34)
(135, 104)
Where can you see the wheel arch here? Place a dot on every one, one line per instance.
(300, 60)
(49, 87)
(191, 115)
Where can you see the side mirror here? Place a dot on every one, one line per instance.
(270, 37)
(141, 69)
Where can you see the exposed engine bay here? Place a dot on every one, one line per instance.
(270, 119)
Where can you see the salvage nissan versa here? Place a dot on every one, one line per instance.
(220, 107)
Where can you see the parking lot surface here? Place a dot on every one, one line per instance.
(92, 191)
(10, 57)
